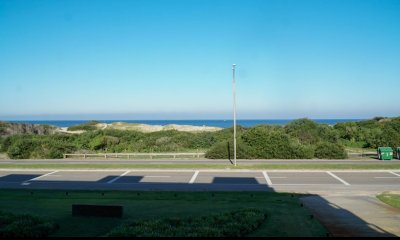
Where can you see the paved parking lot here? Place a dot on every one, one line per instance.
(201, 179)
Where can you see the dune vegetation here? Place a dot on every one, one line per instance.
(300, 139)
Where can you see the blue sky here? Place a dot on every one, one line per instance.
(148, 59)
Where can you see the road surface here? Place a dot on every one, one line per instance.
(197, 161)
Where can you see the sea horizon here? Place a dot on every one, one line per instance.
(222, 123)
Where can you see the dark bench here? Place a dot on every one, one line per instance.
(97, 210)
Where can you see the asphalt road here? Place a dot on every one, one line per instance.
(197, 180)
(197, 161)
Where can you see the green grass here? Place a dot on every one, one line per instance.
(285, 216)
(390, 199)
(288, 166)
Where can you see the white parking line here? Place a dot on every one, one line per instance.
(338, 178)
(301, 184)
(116, 178)
(394, 173)
(267, 178)
(194, 177)
(44, 175)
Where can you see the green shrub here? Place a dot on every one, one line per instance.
(2, 145)
(387, 137)
(89, 126)
(309, 132)
(3, 128)
(326, 150)
(274, 143)
(38, 146)
(21, 148)
(16, 226)
(6, 144)
(224, 150)
(231, 224)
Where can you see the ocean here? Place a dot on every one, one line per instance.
(213, 123)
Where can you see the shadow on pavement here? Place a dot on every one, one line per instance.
(341, 222)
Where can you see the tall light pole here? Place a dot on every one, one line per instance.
(234, 112)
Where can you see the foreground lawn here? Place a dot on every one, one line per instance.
(285, 215)
(288, 166)
(390, 199)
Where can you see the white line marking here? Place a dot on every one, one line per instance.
(338, 178)
(394, 173)
(116, 178)
(194, 177)
(25, 184)
(267, 178)
(307, 184)
(44, 175)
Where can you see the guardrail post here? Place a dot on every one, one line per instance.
(174, 155)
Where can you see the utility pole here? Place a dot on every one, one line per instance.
(234, 113)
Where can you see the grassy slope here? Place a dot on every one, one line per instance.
(285, 216)
(390, 199)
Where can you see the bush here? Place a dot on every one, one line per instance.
(326, 150)
(265, 142)
(274, 143)
(89, 126)
(388, 137)
(224, 150)
(6, 143)
(21, 148)
(309, 132)
(36, 146)
(15, 226)
(231, 224)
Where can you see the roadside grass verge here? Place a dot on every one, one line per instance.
(288, 166)
(390, 199)
(284, 214)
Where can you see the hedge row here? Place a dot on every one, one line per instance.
(232, 224)
(15, 226)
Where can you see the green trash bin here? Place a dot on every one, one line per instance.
(398, 152)
(385, 153)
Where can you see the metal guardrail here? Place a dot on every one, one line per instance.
(361, 154)
(132, 155)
